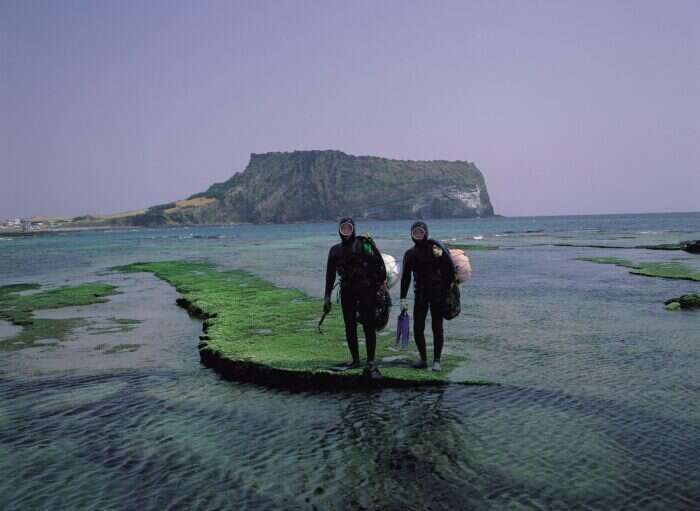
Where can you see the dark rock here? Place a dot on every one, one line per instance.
(692, 247)
(689, 301)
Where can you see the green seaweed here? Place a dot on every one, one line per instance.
(687, 302)
(251, 321)
(117, 348)
(57, 330)
(472, 247)
(666, 270)
(17, 288)
(18, 309)
(683, 245)
(608, 260)
(114, 326)
(126, 321)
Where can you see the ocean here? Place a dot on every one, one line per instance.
(596, 403)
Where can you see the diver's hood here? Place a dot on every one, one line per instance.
(349, 239)
(424, 226)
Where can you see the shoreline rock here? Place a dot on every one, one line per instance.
(684, 302)
(256, 332)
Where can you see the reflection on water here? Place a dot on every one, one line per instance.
(597, 409)
(97, 442)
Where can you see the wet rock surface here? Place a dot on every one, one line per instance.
(687, 302)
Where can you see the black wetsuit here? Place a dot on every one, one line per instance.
(432, 276)
(360, 275)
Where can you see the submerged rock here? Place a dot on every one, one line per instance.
(665, 269)
(18, 307)
(689, 301)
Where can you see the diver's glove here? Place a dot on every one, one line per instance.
(327, 304)
(404, 305)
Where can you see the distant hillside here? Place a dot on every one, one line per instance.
(308, 186)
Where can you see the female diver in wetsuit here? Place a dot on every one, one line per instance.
(361, 273)
(433, 272)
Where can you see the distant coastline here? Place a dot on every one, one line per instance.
(9, 233)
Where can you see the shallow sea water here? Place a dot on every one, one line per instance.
(596, 407)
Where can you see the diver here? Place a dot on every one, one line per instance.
(433, 272)
(361, 269)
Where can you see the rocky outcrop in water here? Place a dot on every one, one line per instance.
(687, 302)
(309, 186)
(692, 247)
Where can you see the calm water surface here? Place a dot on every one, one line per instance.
(598, 405)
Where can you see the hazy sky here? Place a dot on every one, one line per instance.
(566, 107)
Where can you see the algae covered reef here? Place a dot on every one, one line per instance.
(19, 301)
(691, 246)
(666, 270)
(687, 302)
(472, 247)
(256, 331)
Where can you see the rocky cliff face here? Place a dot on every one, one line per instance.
(308, 186)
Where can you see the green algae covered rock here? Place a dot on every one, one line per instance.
(472, 247)
(19, 301)
(256, 331)
(689, 301)
(666, 270)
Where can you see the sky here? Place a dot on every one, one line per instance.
(567, 107)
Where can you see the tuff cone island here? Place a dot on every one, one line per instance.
(257, 332)
(319, 186)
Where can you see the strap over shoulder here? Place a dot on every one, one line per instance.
(446, 253)
(369, 248)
